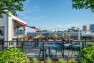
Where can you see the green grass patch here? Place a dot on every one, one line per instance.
(88, 43)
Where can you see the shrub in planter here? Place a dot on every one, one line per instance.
(35, 60)
(62, 61)
(72, 61)
(87, 55)
(13, 55)
(48, 60)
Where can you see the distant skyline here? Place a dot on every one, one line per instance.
(51, 14)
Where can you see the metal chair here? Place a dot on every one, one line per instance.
(42, 50)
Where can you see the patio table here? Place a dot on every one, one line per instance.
(20, 38)
(67, 45)
(77, 46)
(49, 46)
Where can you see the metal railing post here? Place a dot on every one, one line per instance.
(63, 49)
(7, 45)
(71, 49)
(35, 44)
(49, 51)
(82, 44)
(85, 42)
(2, 45)
(22, 44)
(16, 42)
(43, 49)
(56, 53)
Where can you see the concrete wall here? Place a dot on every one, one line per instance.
(11, 23)
(4, 23)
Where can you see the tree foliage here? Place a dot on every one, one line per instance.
(13, 55)
(83, 4)
(10, 5)
(40, 35)
(55, 35)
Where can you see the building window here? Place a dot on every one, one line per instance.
(1, 33)
(20, 31)
(11, 43)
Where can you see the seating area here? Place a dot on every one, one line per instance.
(52, 49)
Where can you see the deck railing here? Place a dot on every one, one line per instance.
(69, 47)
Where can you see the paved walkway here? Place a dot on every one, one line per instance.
(35, 53)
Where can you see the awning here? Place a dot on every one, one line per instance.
(27, 25)
(21, 23)
(35, 28)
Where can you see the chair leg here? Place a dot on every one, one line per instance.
(56, 53)
(69, 51)
(39, 54)
(45, 53)
(62, 53)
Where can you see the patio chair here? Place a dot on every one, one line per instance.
(28, 46)
(25, 35)
(75, 47)
(30, 38)
(67, 44)
(42, 50)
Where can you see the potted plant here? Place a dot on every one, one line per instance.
(72, 61)
(48, 60)
(61, 60)
(35, 60)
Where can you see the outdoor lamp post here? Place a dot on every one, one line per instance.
(79, 35)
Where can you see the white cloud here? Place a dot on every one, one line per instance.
(67, 25)
(30, 29)
(33, 19)
(35, 8)
(38, 18)
(60, 26)
(28, 10)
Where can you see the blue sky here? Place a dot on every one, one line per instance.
(51, 14)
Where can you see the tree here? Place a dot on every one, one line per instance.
(10, 5)
(13, 55)
(83, 4)
(55, 35)
(40, 35)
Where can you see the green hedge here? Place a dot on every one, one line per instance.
(87, 55)
(13, 55)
